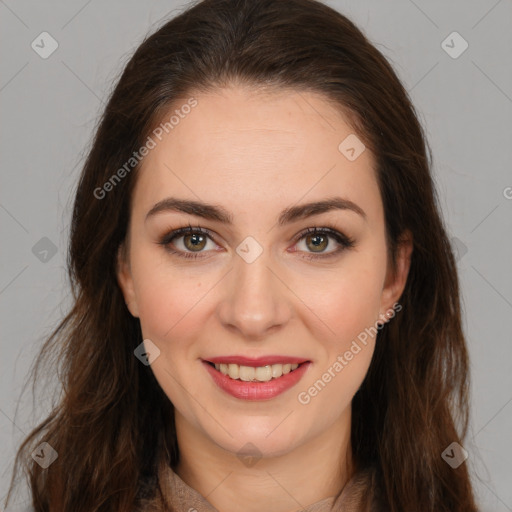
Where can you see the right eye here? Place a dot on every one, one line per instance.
(193, 241)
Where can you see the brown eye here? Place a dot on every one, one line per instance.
(318, 242)
(194, 242)
(315, 241)
(187, 242)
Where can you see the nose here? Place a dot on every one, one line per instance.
(255, 302)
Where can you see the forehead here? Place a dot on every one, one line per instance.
(248, 148)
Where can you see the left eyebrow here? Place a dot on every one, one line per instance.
(287, 216)
(294, 213)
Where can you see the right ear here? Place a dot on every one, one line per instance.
(125, 280)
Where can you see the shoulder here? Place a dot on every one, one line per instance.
(362, 493)
(147, 495)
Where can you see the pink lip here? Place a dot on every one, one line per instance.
(256, 390)
(256, 361)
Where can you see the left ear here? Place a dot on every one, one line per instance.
(396, 278)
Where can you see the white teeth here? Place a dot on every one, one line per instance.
(260, 373)
(247, 373)
(234, 371)
(277, 370)
(263, 373)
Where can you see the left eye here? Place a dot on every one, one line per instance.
(317, 239)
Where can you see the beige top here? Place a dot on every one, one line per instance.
(176, 496)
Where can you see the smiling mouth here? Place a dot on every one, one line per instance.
(254, 373)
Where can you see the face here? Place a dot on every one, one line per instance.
(252, 282)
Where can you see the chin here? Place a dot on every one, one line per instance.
(259, 438)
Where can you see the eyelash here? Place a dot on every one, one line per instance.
(344, 241)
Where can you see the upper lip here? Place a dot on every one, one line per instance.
(256, 361)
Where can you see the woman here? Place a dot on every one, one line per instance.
(266, 309)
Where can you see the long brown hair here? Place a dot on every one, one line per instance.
(113, 418)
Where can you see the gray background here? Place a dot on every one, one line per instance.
(50, 107)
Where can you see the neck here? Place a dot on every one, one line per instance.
(313, 471)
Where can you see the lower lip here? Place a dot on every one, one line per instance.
(257, 390)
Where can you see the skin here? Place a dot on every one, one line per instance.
(256, 153)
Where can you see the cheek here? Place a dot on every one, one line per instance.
(168, 298)
(347, 301)
(349, 306)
